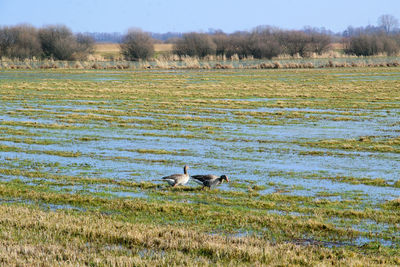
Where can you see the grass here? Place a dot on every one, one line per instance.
(341, 179)
(157, 151)
(362, 143)
(95, 239)
(83, 151)
(180, 227)
(108, 56)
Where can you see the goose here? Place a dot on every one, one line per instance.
(178, 179)
(209, 180)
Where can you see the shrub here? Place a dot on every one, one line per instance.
(19, 42)
(195, 45)
(239, 45)
(58, 42)
(319, 43)
(221, 41)
(295, 42)
(137, 45)
(368, 45)
(263, 43)
(84, 46)
(390, 46)
(264, 46)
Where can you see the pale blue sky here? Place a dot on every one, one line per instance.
(184, 16)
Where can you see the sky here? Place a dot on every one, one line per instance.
(200, 16)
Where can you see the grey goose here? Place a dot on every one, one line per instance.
(209, 180)
(178, 179)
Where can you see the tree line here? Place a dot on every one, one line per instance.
(263, 43)
(268, 42)
(55, 41)
(58, 42)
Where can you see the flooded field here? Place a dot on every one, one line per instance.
(313, 159)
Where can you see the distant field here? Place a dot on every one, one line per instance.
(112, 48)
(111, 51)
(337, 46)
(163, 47)
(106, 47)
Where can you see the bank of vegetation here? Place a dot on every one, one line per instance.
(51, 42)
(58, 43)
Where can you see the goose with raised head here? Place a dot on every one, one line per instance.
(178, 179)
(209, 180)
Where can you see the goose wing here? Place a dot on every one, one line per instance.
(174, 177)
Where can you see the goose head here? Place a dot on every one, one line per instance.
(224, 177)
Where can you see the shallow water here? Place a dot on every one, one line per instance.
(144, 139)
(238, 149)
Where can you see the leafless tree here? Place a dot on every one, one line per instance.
(20, 42)
(368, 45)
(263, 43)
(319, 43)
(58, 42)
(195, 44)
(137, 45)
(295, 42)
(388, 23)
(221, 41)
(7, 39)
(239, 44)
(85, 46)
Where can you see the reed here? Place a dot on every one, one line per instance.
(186, 62)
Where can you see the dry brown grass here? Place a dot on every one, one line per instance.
(112, 48)
(163, 47)
(35, 237)
(106, 47)
(336, 46)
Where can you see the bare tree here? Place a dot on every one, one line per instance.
(388, 23)
(319, 42)
(58, 42)
(368, 45)
(195, 44)
(263, 43)
(85, 46)
(295, 42)
(137, 45)
(239, 44)
(7, 40)
(20, 42)
(221, 41)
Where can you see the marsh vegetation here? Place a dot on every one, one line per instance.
(312, 156)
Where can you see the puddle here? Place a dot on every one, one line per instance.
(126, 194)
(314, 242)
(47, 206)
(284, 213)
(365, 241)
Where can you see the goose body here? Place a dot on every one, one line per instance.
(178, 179)
(209, 180)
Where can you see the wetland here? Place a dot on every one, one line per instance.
(312, 155)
